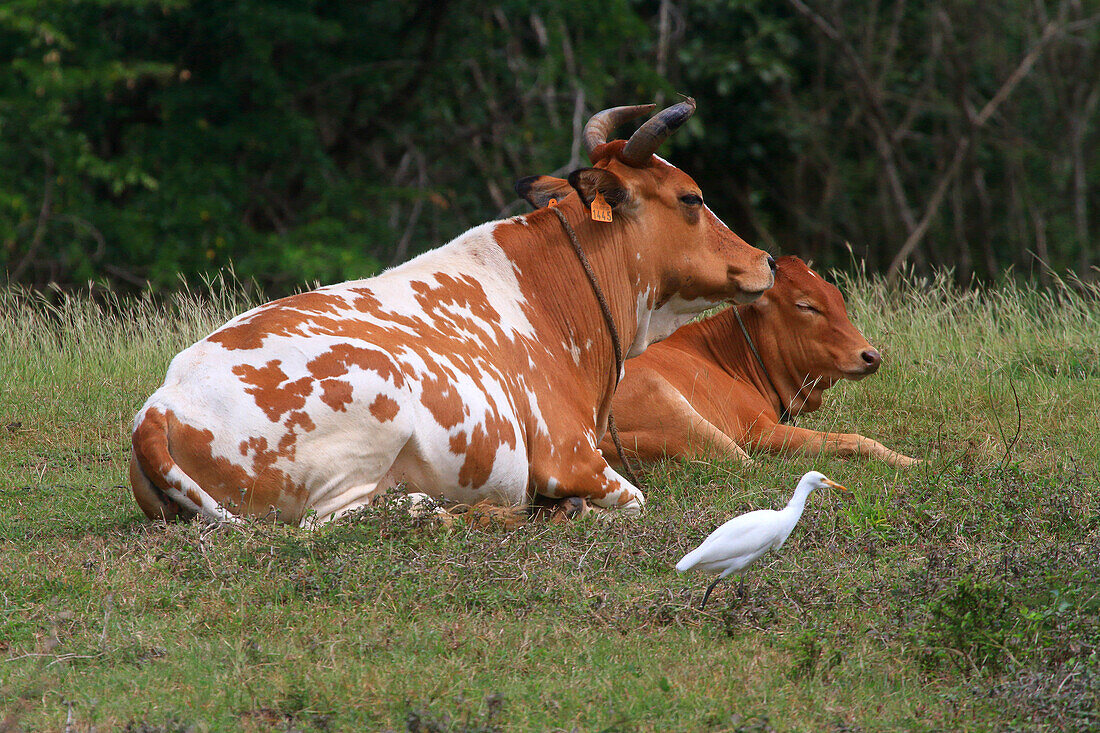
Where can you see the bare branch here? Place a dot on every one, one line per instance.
(414, 216)
(878, 119)
(662, 46)
(40, 227)
(932, 207)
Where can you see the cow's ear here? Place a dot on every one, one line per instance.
(590, 181)
(538, 190)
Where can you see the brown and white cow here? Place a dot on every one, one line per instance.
(481, 370)
(702, 392)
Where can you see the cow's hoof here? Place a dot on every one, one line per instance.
(573, 507)
(445, 520)
(486, 515)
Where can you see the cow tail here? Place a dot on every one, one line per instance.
(161, 487)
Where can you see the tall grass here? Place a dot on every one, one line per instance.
(75, 367)
(1005, 358)
(959, 594)
(40, 329)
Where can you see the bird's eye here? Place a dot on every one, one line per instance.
(691, 199)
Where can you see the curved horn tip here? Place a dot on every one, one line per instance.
(678, 113)
(654, 131)
(601, 124)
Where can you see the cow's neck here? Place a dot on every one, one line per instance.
(785, 384)
(553, 280)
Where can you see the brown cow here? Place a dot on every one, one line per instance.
(479, 371)
(702, 391)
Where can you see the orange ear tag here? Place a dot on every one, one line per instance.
(601, 210)
(552, 203)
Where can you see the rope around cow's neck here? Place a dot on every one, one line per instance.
(611, 329)
(784, 413)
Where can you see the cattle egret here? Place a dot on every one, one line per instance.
(741, 541)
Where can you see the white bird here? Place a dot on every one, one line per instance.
(741, 541)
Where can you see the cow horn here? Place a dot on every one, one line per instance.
(602, 123)
(647, 138)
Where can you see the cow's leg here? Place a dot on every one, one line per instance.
(702, 441)
(782, 438)
(619, 493)
(151, 499)
(671, 427)
(361, 474)
(346, 501)
(418, 504)
(588, 476)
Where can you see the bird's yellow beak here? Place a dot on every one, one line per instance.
(834, 485)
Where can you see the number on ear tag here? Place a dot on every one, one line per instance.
(601, 210)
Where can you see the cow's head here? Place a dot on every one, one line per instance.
(809, 320)
(686, 248)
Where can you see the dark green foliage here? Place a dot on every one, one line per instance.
(300, 141)
(1030, 607)
(968, 625)
(425, 721)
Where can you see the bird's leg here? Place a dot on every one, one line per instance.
(707, 594)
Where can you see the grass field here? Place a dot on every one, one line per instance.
(962, 594)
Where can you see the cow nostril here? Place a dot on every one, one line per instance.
(871, 357)
(771, 262)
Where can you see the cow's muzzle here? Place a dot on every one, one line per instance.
(869, 362)
(748, 284)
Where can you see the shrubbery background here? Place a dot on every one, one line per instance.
(143, 139)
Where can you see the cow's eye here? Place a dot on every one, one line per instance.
(802, 306)
(691, 199)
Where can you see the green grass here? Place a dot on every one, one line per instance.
(961, 594)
